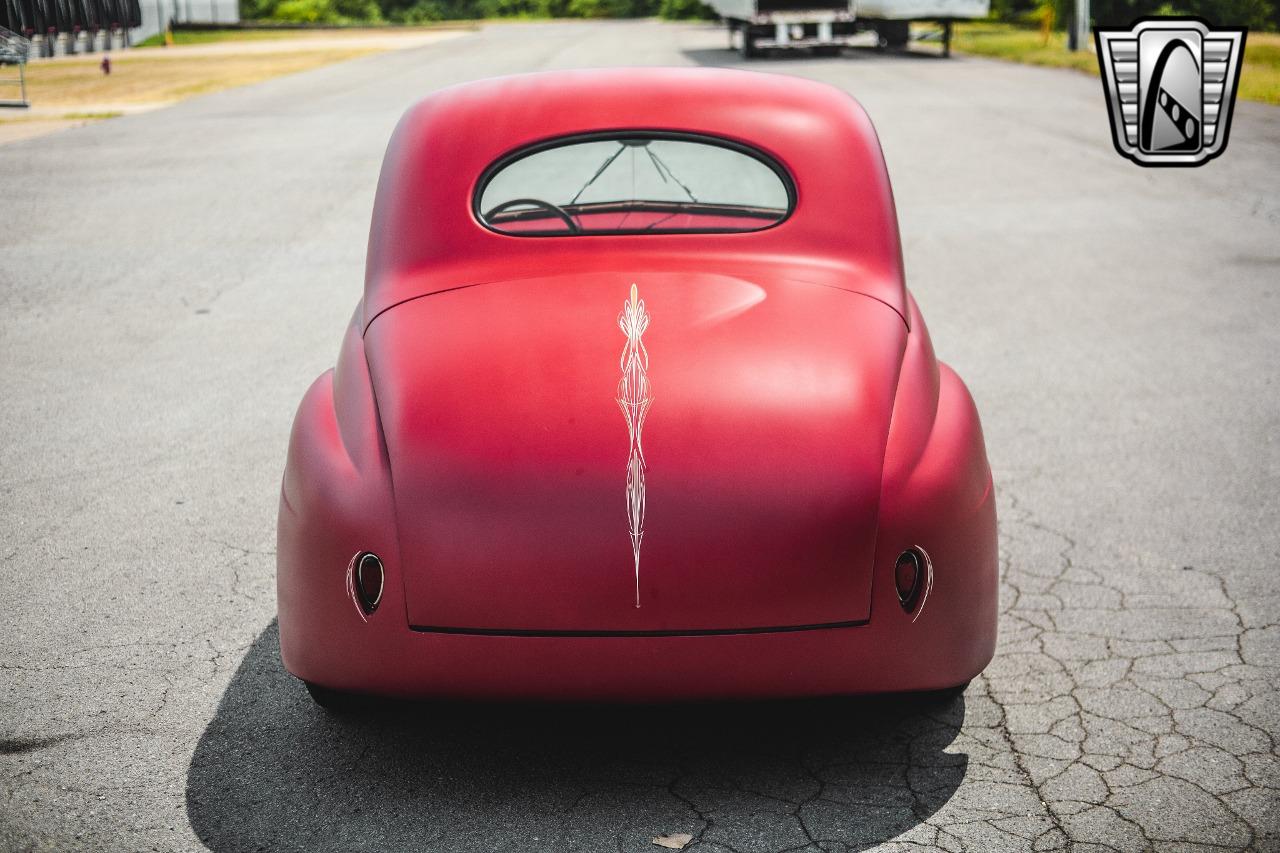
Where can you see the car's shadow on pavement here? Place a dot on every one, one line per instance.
(274, 772)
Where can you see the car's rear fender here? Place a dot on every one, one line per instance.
(937, 495)
(336, 501)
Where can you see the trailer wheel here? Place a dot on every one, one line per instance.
(893, 35)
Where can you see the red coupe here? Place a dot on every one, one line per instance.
(636, 405)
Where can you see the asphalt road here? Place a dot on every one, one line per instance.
(171, 282)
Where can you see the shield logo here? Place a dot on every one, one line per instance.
(1170, 85)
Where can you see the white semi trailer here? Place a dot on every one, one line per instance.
(827, 25)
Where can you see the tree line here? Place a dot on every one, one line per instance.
(428, 11)
(1256, 14)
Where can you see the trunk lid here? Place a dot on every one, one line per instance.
(747, 500)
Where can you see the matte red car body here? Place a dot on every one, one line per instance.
(802, 434)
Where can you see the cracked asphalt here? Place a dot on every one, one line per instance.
(171, 282)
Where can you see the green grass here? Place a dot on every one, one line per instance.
(74, 116)
(216, 36)
(270, 33)
(94, 116)
(1259, 80)
(1021, 44)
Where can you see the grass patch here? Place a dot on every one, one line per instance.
(93, 116)
(1021, 44)
(146, 77)
(185, 37)
(64, 117)
(1259, 79)
(217, 36)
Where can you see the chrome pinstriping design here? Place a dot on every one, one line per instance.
(635, 395)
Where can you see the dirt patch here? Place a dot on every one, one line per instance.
(72, 90)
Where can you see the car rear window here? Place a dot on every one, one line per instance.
(634, 183)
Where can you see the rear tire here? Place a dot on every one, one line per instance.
(893, 35)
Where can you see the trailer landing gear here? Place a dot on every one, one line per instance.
(942, 35)
(741, 40)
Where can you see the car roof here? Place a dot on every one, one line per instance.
(425, 238)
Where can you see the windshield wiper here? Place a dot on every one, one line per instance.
(661, 166)
(606, 164)
(705, 208)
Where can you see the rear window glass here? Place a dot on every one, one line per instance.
(635, 184)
